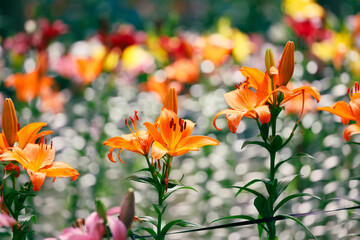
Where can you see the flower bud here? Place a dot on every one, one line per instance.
(9, 122)
(269, 60)
(171, 100)
(286, 64)
(12, 168)
(128, 208)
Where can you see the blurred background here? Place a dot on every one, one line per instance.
(83, 67)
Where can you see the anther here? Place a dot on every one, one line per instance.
(174, 127)
(136, 116)
(51, 144)
(126, 123)
(132, 120)
(184, 125)
(181, 128)
(171, 123)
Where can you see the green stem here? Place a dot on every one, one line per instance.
(291, 136)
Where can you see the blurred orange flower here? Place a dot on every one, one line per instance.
(174, 137)
(217, 49)
(183, 70)
(88, 69)
(38, 160)
(29, 85)
(138, 141)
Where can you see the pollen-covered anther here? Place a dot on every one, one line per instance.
(174, 128)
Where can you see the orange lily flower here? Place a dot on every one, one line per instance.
(244, 103)
(138, 141)
(11, 133)
(174, 137)
(183, 70)
(38, 160)
(347, 111)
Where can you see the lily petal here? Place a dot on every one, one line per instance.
(255, 76)
(351, 130)
(117, 228)
(37, 179)
(158, 150)
(15, 155)
(341, 109)
(60, 169)
(28, 134)
(154, 133)
(194, 143)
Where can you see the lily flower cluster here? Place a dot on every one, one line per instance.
(257, 96)
(169, 135)
(19, 146)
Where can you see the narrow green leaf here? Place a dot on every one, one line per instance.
(178, 222)
(256, 193)
(283, 184)
(149, 220)
(296, 195)
(262, 144)
(296, 156)
(149, 230)
(101, 210)
(301, 224)
(246, 217)
(172, 190)
(249, 184)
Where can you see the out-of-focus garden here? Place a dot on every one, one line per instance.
(84, 67)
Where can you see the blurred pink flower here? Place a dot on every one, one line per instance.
(94, 228)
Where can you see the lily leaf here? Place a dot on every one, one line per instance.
(142, 180)
(249, 184)
(246, 217)
(283, 184)
(296, 195)
(149, 220)
(172, 190)
(296, 156)
(178, 222)
(256, 193)
(262, 144)
(301, 224)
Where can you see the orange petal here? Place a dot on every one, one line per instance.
(263, 113)
(307, 89)
(28, 134)
(226, 112)
(355, 107)
(193, 143)
(39, 155)
(15, 155)
(60, 169)
(154, 133)
(2, 144)
(37, 179)
(341, 109)
(351, 130)
(255, 76)
(158, 150)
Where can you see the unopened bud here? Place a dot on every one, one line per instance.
(269, 60)
(12, 168)
(128, 208)
(171, 100)
(286, 64)
(9, 122)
